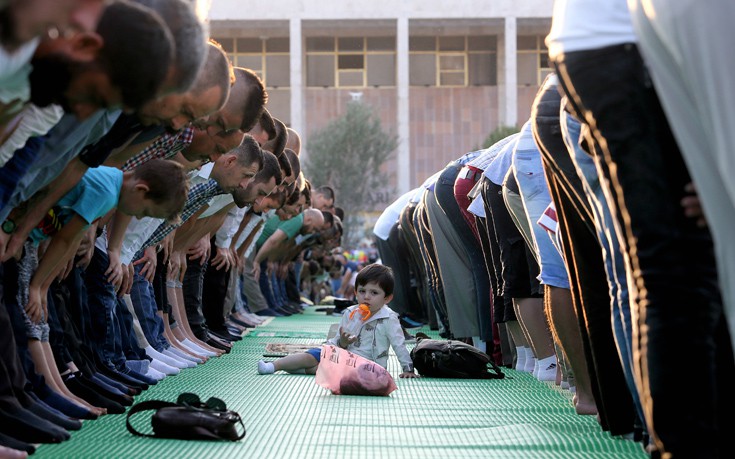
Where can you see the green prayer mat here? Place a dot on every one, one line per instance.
(289, 416)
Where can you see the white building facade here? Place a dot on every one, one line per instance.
(440, 74)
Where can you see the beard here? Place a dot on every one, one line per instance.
(50, 78)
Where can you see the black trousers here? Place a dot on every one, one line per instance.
(675, 294)
(394, 254)
(192, 290)
(213, 294)
(416, 264)
(585, 265)
(444, 190)
(436, 290)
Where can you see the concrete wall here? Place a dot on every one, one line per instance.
(377, 9)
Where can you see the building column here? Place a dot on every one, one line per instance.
(508, 84)
(297, 79)
(404, 129)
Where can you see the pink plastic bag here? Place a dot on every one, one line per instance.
(345, 373)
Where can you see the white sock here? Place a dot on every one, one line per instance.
(170, 361)
(183, 355)
(546, 369)
(155, 374)
(530, 362)
(521, 358)
(172, 354)
(266, 368)
(195, 348)
(163, 368)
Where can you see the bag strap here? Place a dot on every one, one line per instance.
(145, 406)
(496, 372)
(158, 404)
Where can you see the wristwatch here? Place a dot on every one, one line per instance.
(8, 226)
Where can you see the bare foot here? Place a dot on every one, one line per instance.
(584, 407)
(9, 453)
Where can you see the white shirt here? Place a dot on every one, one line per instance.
(249, 229)
(15, 68)
(580, 25)
(216, 204)
(140, 229)
(32, 121)
(226, 232)
(390, 215)
(498, 168)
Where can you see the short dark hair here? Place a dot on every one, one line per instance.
(215, 73)
(166, 182)
(380, 274)
(270, 169)
(293, 159)
(277, 143)
(307, 193)
(326, 190)
(339, 212)
(255, 96)
(249, 152)
(285, 166)
(230, 68)
(267, 124)
(188, 35)
(136, 52)
(328, 219)
(279, 196)
(293, 197)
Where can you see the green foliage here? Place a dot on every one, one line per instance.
(347, 154)
(499, 134)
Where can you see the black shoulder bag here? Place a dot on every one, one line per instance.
(190, 419)
(452, 359)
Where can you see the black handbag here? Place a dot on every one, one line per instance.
(190, 419)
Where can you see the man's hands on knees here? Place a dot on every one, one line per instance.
(222, 259)
(200, 250)
(34, 308)
(148, 260)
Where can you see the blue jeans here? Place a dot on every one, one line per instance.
(266, 286)
(102, 301)
(611, 251)
(144, 304)
(529, 174)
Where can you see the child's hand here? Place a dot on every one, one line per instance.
(408, 374)
(345, 339)
(34, 306)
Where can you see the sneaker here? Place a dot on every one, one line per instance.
(265, 368)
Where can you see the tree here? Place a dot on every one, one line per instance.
(499, 134)
(347, 154)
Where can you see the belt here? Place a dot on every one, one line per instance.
(470, 173)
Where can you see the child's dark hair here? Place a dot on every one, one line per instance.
(166, 184)
(380, 274)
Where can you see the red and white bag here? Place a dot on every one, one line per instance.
(345, 373)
